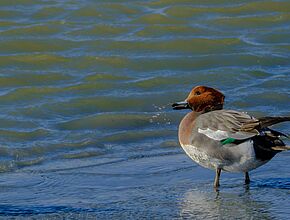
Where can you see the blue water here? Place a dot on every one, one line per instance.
(86, 127)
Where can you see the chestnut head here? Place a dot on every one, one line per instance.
(202, 99)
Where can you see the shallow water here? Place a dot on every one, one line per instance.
(86, 127)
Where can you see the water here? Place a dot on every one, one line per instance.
(86, 128)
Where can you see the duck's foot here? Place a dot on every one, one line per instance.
(217, 177)
(247, 178)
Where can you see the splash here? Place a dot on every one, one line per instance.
(160, 117)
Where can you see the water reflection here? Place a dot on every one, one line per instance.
(227, 203)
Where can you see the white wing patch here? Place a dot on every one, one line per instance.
(216, 135)
(219, 135)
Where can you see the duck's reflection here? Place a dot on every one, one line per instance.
(234, 203)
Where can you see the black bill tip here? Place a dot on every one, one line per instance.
(180, 105)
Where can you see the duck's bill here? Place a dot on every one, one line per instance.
(180, 105)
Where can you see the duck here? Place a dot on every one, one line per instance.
(226, 140)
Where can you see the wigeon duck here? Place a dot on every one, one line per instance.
(226, 140)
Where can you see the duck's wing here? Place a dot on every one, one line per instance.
(264, 122)
(223, 124)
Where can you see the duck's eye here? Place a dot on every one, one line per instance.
(197, 93)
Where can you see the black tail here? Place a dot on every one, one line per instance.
(271, 138)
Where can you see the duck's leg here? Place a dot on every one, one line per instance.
(247, 178)
(217, 177)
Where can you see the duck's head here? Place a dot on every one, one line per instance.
(201, 99)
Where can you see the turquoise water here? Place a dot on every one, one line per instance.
(86, 127)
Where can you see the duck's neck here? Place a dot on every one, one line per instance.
(186, 126)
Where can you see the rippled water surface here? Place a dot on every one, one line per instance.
(86, 128)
